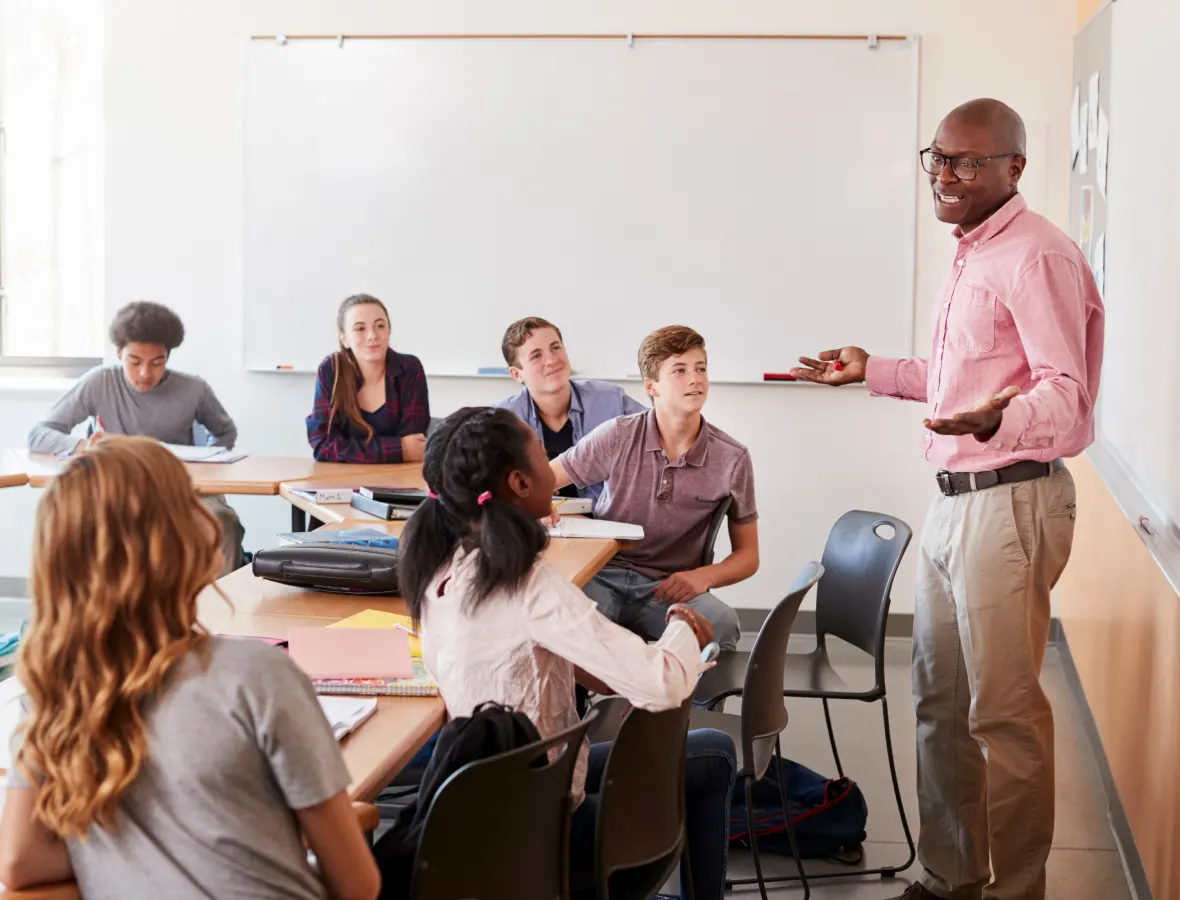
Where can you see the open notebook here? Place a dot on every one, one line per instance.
(596, 528)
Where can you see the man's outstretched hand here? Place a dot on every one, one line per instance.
(982, 422)
(834, 367)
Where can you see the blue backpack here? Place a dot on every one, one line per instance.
(829, 815)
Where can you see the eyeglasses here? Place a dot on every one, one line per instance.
(964, 167)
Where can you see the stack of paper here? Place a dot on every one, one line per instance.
(375, 618)
(363, 537)
(204, 454)
(421, 685)
(596, 528)
(346, 713)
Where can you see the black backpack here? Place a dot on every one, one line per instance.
(489, 730)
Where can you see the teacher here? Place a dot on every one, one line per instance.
(1020, 324)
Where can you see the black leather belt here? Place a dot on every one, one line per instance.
(954, 483)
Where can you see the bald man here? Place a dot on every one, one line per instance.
(1010, 385)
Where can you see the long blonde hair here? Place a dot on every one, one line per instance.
(123, 547)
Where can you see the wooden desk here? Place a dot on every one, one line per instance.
(260, 475)
(14, 470)
(383, 745)
(406, 475)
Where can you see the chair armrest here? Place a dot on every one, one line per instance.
(63, 890)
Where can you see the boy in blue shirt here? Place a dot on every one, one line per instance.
(559, 410)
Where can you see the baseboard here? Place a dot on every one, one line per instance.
(1120, 825)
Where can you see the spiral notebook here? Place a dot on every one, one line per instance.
(419, 685)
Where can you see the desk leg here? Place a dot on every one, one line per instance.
(298, 519)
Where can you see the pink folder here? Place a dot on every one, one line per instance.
(351, 652)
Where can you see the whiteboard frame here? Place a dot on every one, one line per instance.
(910, 317)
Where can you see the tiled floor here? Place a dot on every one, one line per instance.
(1084, 864)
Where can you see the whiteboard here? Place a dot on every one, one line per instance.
(762, 192)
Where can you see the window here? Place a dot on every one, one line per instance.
(51, 180)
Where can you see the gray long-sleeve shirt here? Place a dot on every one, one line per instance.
(166, 412)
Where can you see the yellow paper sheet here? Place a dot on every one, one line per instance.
(375, 618)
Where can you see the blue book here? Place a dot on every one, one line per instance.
(363, 537)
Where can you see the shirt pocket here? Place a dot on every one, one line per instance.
(971, 322)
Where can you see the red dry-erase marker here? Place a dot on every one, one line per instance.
(777, 376)
(838, 366)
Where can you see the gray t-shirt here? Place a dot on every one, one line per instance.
(166, 412)
(233, 749)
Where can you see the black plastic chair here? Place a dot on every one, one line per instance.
(499, 828)
(641, 830)
(715, 524)
(852, 604)
(764, 713)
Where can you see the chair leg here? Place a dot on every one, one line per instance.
(754, 836)
(686, 887)
(832, 738)
(883, 871)
(782, 793)
(905, 825)
(298, 519)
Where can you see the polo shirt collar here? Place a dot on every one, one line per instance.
(696, 454)
(998, 221)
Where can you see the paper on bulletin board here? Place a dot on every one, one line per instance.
(1083, 166)
(1099, 265)
(1092, 118)
(1075, 126)
(1103, 149)
(1086, 237)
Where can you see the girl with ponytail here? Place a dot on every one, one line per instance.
(500, 623)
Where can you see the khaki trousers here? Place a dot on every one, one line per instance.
(987, 562)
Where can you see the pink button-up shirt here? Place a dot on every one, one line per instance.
(1020, 307)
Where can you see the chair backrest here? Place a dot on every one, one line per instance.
(499, 827)
(764, 712)
(641, 806)
(715, 524)
(861, 558)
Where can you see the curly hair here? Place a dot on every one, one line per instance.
(122, 548)
(144, 322)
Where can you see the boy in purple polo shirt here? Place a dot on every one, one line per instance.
(667, 469)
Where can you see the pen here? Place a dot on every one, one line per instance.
(401, 627)
(98, 421)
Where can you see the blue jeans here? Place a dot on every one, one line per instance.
(708, 782)
(628, 598)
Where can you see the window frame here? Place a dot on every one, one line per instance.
(33, 366)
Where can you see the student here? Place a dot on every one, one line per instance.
(500, 623)
(143, 396)
(370, 404)
(156, 760)
(559, 410)
(668, 469)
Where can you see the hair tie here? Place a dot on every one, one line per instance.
(483, 498)
(432, 495)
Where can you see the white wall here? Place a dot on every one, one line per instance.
(174, 220)
(1140, 413)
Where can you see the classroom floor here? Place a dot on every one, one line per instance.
(1084, 863)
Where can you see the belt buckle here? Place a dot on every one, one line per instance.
(943, 477)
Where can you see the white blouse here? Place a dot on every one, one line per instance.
(520, 649)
